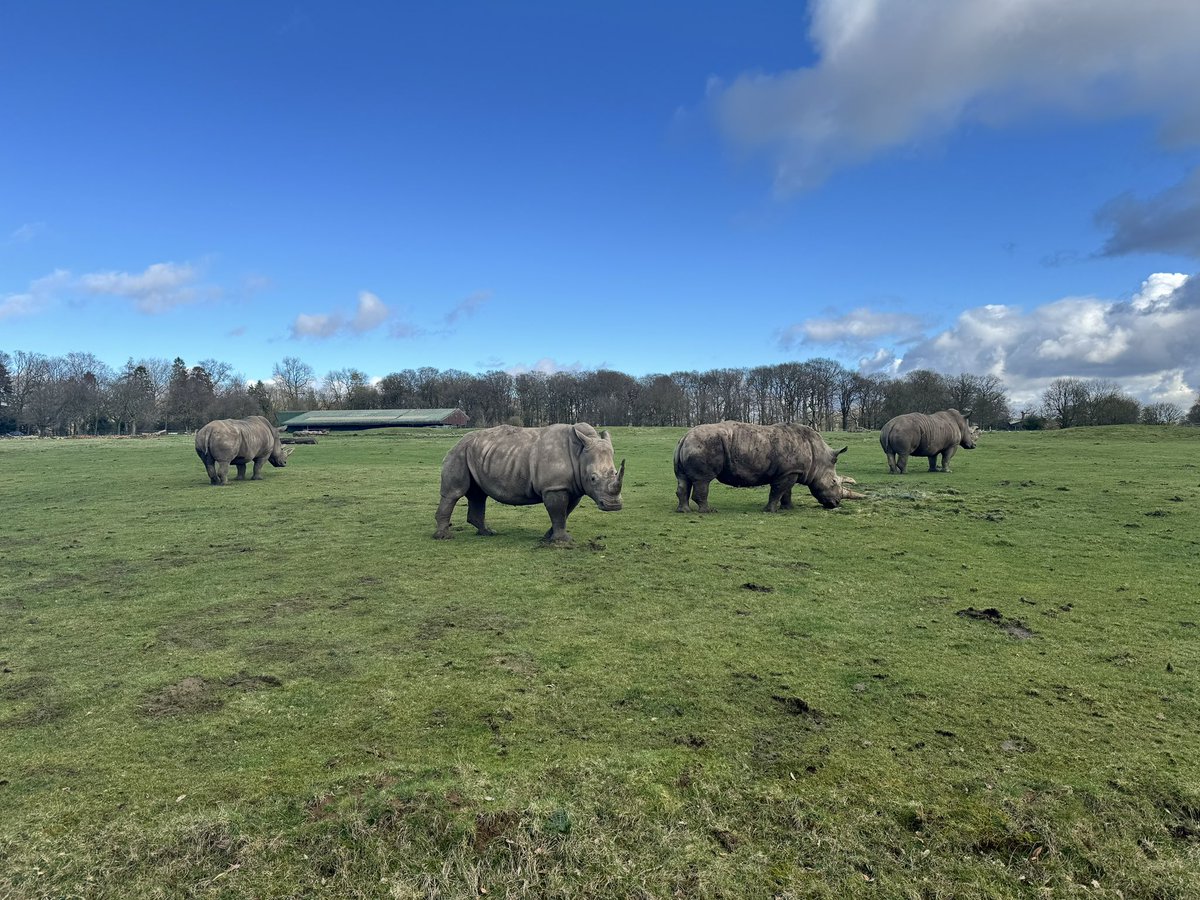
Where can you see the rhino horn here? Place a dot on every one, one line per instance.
(838, 453)
(848, 494)
(620, 476)
(287, 451)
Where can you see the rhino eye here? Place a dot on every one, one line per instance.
(595, 477)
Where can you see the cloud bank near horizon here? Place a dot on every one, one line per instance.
(1146, 343)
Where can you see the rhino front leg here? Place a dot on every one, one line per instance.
(476, 510)
(785, 500)
(778, 489)
(933, 466)
(559, 505)
(946, 454)
(241, 467)
(258, 464)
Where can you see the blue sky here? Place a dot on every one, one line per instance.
(1008, 188)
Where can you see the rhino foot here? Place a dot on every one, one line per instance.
(485, 532)
(442, 535)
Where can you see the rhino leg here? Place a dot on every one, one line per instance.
(559, 505)
(778, 489)
(700, 495)
(258, 464)
(933, 466)
(902, 463)
(683, 488)
(241, 467)
(785, 500)
(476, 509)
(946, 454)
(222, 472)
(893, 464)
(211, 468)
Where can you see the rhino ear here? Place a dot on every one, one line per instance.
(581, 430)
(605, 436)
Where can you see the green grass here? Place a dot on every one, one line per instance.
(287, 688)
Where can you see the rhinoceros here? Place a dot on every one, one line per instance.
(238, 441)
(556, 465)
(918, 434)
(743, 454)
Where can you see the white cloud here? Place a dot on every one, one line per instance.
(893, 72)
(1147, 343)
(161, 287)
(546, 366)
(854, 329)
(39, 296)
(317, 326)
(372, 312)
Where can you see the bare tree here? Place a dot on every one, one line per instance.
(294, 382)
(1161, 414)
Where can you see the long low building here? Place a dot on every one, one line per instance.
(354, 419)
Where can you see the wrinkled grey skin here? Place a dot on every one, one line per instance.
(917, 434)
(557, 465)
(742, 454)
(238, 441)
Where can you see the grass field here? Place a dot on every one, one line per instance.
(980, 684)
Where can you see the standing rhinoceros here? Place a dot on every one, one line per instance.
(742, 454)
(556, 465)
(917, 434)
(239, 441)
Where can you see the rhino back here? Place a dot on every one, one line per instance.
(501, 461)
(228, 440)
(743, 454)
(919, 434)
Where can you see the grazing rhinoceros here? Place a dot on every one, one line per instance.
(239, 441)
(917, 434)
(556, 465)
(742, 454)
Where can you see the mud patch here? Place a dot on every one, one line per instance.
(798, 706)
(196, 694)
(759, 588)
(491, 827)
(1014, 627)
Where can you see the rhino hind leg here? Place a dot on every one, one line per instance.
(477, 509)
(683, 488)
(700, 495)
(893, 463)
(222, 472)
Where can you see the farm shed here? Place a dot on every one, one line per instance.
(347, 419)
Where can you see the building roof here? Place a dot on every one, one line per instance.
(326, 418)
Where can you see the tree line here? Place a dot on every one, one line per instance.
(80, 394)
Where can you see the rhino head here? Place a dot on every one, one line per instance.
(601, 479)
(826, 485)
(278, 458)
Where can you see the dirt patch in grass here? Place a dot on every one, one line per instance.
(491, 827)
(196, 694)
(1014, 627)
